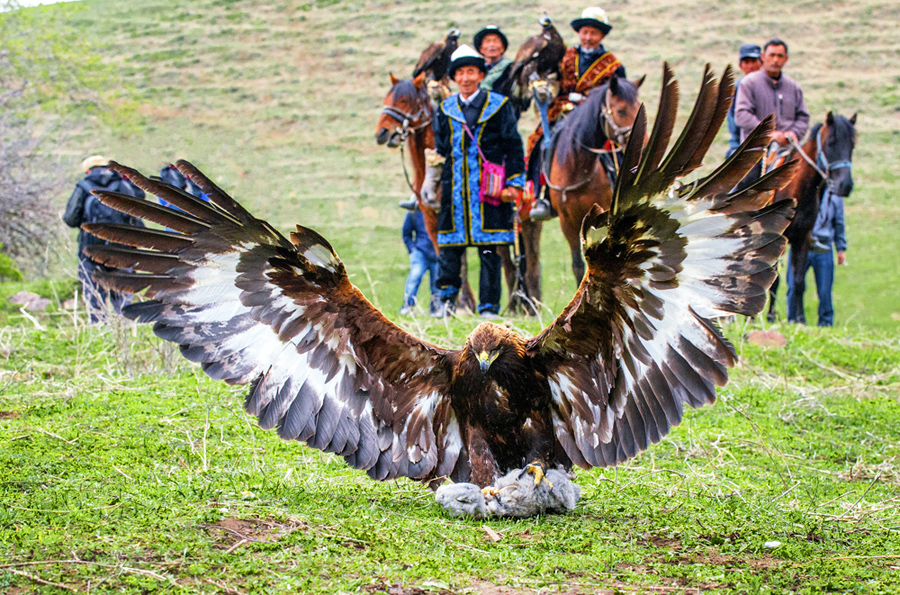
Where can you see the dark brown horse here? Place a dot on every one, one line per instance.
(826, 164)
(583, 149)
(406, 117)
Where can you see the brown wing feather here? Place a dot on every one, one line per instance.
(253, 307)
(636, 343)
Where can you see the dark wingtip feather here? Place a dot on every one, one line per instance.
(727, 175)
(631, 157)
(720, 112)
(150, 211)
(216, 195)
(663, 126)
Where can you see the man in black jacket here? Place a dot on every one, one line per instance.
(84, 207)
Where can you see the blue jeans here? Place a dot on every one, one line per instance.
(419, 264)
(822, 264)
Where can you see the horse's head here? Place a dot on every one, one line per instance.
(621, 107)
(406, 108)
(835, 141)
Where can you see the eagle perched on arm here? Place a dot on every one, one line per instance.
(537, 59)
(435, 59)
(608, 378)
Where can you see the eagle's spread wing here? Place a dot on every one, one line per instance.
(252, 307)
(637, 342)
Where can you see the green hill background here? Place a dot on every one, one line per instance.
(277, 102)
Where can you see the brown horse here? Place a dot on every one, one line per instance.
(826, 164)
(583, 157)
(407, 116)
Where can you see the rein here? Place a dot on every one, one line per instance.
(406, 119)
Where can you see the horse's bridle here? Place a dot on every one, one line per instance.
(614, 132)
(407, 120)
(821, 163)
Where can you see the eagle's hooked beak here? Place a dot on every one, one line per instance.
(485, 360)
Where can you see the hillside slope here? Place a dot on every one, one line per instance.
(278, 102)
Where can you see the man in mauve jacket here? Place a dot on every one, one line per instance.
(770, 91)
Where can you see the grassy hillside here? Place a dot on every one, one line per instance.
(278, 103)
(124, 469)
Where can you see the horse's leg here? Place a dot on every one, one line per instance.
(572, 234)
(531, 236)
(466, 297)
(798, 284)
(772, 316)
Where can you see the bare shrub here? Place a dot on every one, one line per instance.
(30, 228)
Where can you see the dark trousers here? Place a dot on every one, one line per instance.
(489, 284)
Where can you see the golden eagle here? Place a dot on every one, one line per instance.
(435, 60)
(537, 59)
(609, 377)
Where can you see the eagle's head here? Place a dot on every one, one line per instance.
(490, 341)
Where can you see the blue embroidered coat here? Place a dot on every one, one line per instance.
(464, 220)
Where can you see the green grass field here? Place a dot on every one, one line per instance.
(124, 469)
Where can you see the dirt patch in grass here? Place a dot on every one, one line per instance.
(231, 533)
(9, 414)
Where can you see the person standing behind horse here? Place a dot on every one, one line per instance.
(749, 61)
(584, 67)
(422, 259)
(828, 234)
(473, 126)
(492, 44)
(170, 175)
(770, 91)
(85, 207)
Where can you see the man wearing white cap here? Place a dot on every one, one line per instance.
(584, 66)
(472, 127)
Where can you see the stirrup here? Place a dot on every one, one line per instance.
(540, 211)
(410, 204)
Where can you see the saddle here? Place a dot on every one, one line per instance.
(776, 155)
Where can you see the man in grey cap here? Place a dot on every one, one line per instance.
(749, 60)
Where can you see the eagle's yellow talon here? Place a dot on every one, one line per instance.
(537, 470)
(490, 491)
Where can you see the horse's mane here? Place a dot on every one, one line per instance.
(581, 129)
(815, 130)
(406, 89)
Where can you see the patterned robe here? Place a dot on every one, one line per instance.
(464, 220)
